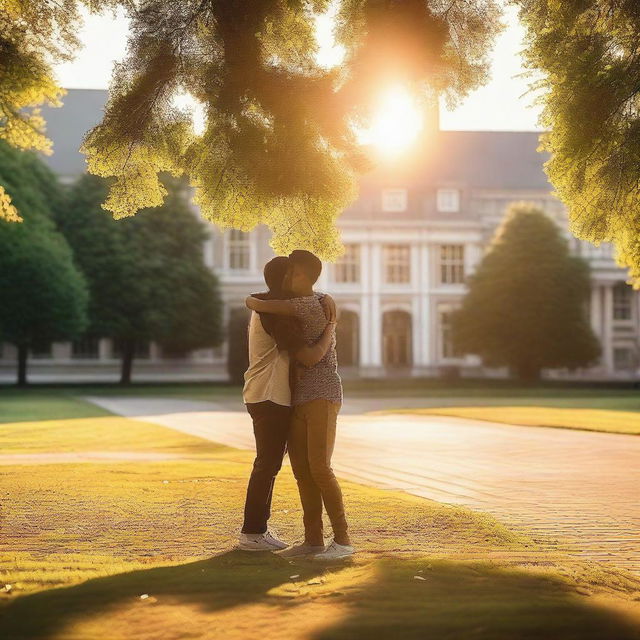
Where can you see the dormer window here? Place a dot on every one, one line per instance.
(394, 200)
(448, 200)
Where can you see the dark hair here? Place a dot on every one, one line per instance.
(309, 263)
(274, 273)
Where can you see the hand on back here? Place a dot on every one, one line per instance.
(329, 308)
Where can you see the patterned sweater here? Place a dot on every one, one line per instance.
(321, 380)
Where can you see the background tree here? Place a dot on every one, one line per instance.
(278, 147)
(588, 54)
(43, 296)
(527, 302)
(146, 275)
(34, 35)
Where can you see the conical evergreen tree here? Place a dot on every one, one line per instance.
(526, 307)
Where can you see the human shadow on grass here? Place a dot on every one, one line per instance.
(416, 600)
(221, 582)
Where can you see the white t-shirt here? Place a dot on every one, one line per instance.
(267, 377)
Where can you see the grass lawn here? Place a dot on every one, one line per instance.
(536, 416)
(145, 550)
(62, 402)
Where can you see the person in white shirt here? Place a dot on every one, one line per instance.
(273, 341)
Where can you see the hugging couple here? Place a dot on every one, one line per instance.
(293, 393)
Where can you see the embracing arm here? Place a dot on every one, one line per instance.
(279, 307)
(311, 355)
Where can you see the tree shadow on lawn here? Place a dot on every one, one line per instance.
(221, 582)
(456, 600)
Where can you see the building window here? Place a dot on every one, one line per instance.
(394, 200)
(169, 353)
(448, 200)
(447, 349)
(42, 351)
(86, 348)
(622, 300)
(397, 263)
(347, 268)
(451, 264)
(141, 349)
(623, 358)
(239, 250)
(604, 251)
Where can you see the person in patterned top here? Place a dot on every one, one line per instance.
(275, 343)
(316, 401)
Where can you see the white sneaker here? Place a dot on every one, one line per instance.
(335, 551)
(301, 550)
(274, 541)
(260, 542)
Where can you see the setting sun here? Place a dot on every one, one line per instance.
(395, 124)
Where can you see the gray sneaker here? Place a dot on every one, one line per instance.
(335, 551)
(301, 550)
(260, 542)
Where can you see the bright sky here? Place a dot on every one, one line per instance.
(499, 105)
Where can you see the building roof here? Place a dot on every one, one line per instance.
(480, 159)
(82, 109)
(491, 159)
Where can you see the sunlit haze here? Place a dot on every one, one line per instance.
(396, 122)
(502, 104)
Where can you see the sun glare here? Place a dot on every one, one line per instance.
(395, 124)
(189, 103)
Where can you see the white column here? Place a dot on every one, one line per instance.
(426, 328)
(365, 332)
(416, 308)
(365, 308)
(596, 310)
(323, 280)
(375, 343)
(155, 354)
(607, 333)
(61, 350)
(417, 332)
(104, 349)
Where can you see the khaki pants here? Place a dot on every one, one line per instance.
(311, 440)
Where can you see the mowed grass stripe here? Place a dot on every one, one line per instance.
(625, 422)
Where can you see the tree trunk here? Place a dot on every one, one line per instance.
(23, 352)
(128, 349)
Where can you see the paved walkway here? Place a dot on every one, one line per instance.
(580, 488)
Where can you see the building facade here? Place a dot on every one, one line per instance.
(411, 240)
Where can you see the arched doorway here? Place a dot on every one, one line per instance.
(348, 339)
(396, 339)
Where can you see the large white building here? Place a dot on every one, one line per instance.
(411, 239)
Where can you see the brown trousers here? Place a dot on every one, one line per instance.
(311, 440)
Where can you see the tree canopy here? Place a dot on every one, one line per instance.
(588, 55)
(526, 307)
(34, 34)
(43, 296)
(278, 147)
(146, 275)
